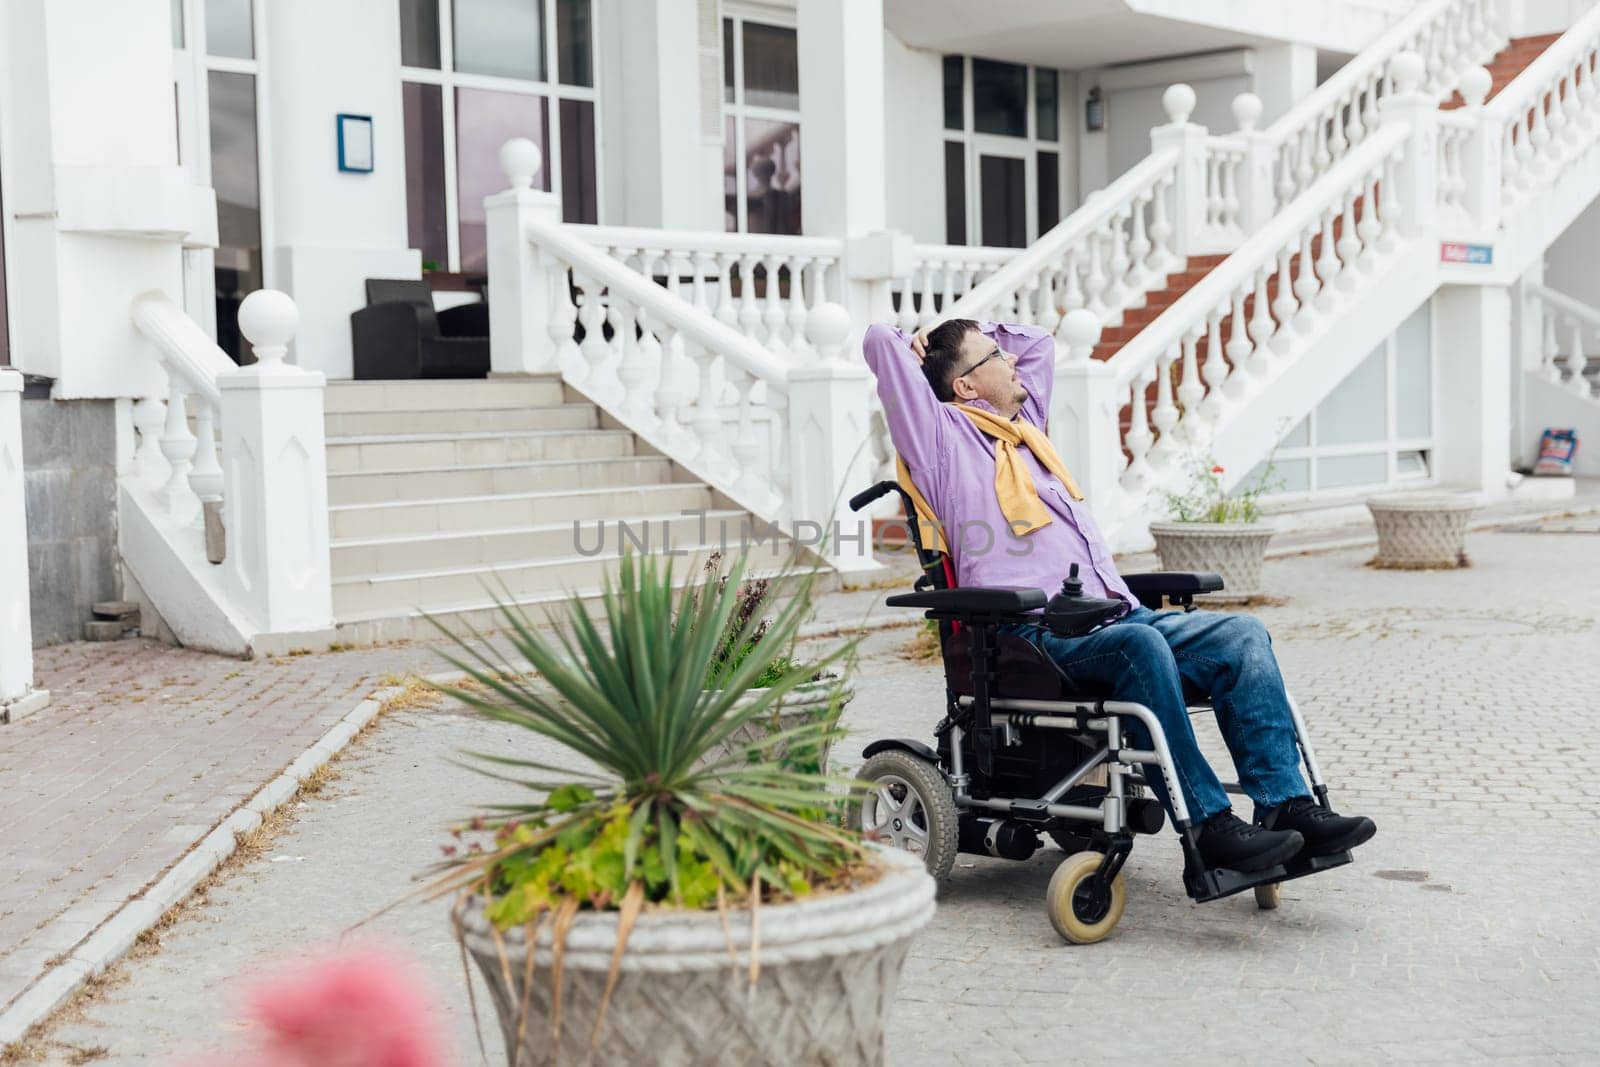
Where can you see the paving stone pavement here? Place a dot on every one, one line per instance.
(1442, 704)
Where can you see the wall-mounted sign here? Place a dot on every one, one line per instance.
(1456, 252)
(355, 143)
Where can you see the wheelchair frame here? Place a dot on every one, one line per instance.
(1088, 720)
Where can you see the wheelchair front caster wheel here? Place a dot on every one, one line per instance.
(1267, 896)
(909, 807)
(1079, 914)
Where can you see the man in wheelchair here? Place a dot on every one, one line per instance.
(1001, 525)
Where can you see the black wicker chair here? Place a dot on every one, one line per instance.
(399, 334)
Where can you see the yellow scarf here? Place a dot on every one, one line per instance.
(1013, 485)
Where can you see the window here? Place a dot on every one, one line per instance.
(1374, 429)
(1002, 151)
(761, 146)
(476, 73)
(236, 178)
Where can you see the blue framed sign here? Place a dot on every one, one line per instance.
(355, 143)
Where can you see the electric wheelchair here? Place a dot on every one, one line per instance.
(1019, 755)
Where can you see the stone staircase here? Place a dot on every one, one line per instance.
(448, 496)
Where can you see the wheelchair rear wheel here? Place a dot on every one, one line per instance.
(1077, 913)
(910, 808)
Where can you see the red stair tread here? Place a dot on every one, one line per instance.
(1507, 64)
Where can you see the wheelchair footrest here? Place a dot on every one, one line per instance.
(1219, 882)
(1315, 865)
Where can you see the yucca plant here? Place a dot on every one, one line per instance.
(643, 697)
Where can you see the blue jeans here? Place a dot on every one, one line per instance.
(1146, 656)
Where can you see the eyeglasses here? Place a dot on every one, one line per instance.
(992, 355)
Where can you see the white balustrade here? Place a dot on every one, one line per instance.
(1568, 326)
(941, 275)
(1548, 115)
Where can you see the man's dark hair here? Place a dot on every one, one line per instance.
(943, 355)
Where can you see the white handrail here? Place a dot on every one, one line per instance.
(1373, 59)
(184, 346)
(1264, 246)
(980, 255)
(1576, 308)
(661, 305)
(1100, 207)
(709, 241)
(1513, 102)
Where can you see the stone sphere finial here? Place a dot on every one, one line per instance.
(827, 326)
(1407, 69)
(1080, 329)
(1179, 102)
(1246, 111)
(1475, 85)
(268, 319)
(520, 160)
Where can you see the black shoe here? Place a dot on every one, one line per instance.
(1225, 840)
(1325, 832)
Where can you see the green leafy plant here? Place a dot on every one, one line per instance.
(430, 265)
(746, 628)
(1205, 499)
(647, 697)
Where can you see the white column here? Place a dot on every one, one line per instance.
(1473, 449)
(1189, 190)
(98, 205)
(1416, 178)
(17, 695)
(1483, 153)
(1284, 75)
(519, 279)
(276, 495)
(1257, 178)
(661, 123)
(831, 459)
(841, 117)
(333, 229)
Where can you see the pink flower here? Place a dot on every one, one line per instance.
(1216, 470)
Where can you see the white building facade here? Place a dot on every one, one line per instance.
(1294, 255)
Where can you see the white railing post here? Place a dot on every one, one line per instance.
(1416, 178)
(521, 296)
(17, 695)
(1483, 151)
(828, 448)
(276, 493)
(872, 263)
(1188, 217)
(1257, 192)
(1083, 414)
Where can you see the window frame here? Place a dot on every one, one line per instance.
(738, 110)
(1028, 147)
(551, 89)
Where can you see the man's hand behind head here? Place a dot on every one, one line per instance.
(919, 343)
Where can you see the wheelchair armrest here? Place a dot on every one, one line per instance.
(977, 600)
(1177, 586)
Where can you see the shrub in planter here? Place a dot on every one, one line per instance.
(670, 906)
(1213, 530)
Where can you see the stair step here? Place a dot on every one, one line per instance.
(382, 486)
(357, 556)
(445, 420)
(513, 509)
(483, 614)
(116, 609)
(431, 394)
(432, 450)
(406, 590)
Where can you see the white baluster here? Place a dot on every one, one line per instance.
(712, 454)
(1094, 284)
(1137, 475)
(1117, 289)
(1349, 246)
(778, 448)
(1558, 119)
(1585, 81)
(1238, 350)
(1284, 305)
(1550, 350)
(1387, 203)
(727, 309)
(1526, 172)
(926, 315)
(1321, 158)
(1369, 229)
(1576, 360)
(1161, 257)
(1190, 390)
(746, 445)
(1305, 282)
(1336, 142)
(563, 324)
(1213, 190)
(1539, 138)
(205, 477)
(1285, 188)
(1354, 131)
(1230, 191)
(1139, 278)
(1261, 325)
(799, 310)
(749, 302)
(947, 287)
(632, 371)
(149, 416)
(1025, 298)
(178, 447)
(1071, 292)
(592, 316)
(1327, 262)
(1306, 167)
(1165, 415)
(1215, 370)
(698, 295)
(669, 390)
(775, 319)
(907, 319)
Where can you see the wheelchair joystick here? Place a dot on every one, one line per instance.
(1071, 614)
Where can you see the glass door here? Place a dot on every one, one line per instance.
(1005, 194)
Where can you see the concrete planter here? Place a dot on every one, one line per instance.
(829, 969)
(1422, 531)
(1233, 550)
(803, 705)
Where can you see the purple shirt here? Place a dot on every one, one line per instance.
(952, 463)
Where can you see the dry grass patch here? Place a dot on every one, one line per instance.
(924, 644)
